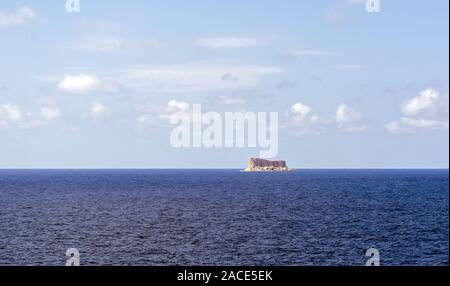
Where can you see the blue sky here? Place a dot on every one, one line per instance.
(353, 89)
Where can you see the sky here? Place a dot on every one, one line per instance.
(352, 89)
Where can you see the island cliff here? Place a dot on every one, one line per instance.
(262, 165)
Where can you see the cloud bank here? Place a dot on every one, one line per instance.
(21, 16)
(428, 110)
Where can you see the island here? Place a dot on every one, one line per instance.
(262, 165)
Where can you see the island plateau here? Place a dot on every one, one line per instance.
(262, 165)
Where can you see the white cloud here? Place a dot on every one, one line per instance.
(426, 100)
(424, 123)
(19, 17)
(300, 109)
(302, 120)
(82, 84)
(154, 115)
(10, 112)
(97, 110)
(163, 79)
(12, 115)
(183, 106)
(345, 114)
(115, 44)
(348, 119)
(429, 110)
(228, 42)
(190, 78)
(50, 113)
(393, 127)
(78, 84)
(314, 53)
(408, 125)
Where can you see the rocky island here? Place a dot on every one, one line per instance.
(262, 165)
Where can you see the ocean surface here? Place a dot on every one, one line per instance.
(224, 217)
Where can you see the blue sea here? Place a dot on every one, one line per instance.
(224, 217)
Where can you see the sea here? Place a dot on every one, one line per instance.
(224, 217)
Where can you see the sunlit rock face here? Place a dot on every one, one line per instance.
(262, 165)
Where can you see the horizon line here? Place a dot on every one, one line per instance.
(231, 168)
